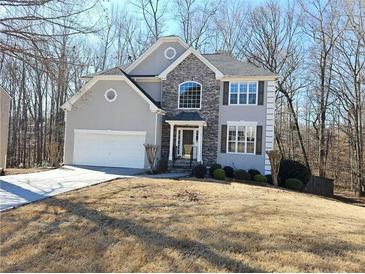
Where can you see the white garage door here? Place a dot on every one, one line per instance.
(109, 148)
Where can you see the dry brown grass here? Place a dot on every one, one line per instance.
(150, 225)
(16, 171)
(349, 197)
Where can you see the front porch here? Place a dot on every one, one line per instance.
(186, 140)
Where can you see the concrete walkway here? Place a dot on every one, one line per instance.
(16, 190)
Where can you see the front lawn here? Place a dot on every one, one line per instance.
(149, 225)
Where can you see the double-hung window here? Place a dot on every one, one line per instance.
(243, 93)
(241, 139)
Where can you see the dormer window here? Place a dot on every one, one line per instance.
(190, 94)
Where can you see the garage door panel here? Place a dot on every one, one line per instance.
(115, 149)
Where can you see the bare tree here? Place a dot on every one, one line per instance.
(273, 41)
(21, 21)
(153, 12)
(130, 38)
(349, 71)
(229, 25)
(322, 26)
(195, 18)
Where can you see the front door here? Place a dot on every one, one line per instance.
(186, 142)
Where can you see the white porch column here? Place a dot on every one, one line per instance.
(171, 141)
(200, 144)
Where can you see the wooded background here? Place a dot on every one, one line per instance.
(317, 47)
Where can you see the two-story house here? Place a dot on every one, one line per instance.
(210, 108)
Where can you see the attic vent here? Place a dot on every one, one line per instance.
(170, 53)
(110, 95)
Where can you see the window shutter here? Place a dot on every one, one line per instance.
(224, 139)
(258, 140)
(261, 94)
(225, 92)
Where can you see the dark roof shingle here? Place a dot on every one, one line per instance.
(232, 67)
(110, 71)
(186, 116)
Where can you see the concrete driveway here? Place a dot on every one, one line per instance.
(16, 190)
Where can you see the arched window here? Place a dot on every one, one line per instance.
(190, 94)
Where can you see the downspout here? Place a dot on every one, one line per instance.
(161, 112)
(156, 127)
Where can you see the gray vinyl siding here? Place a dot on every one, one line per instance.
(156, 62)
(129, 112)
(152, 88)
(248, 114)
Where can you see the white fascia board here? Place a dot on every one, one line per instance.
(150, 50)
(186, 123)
(84, 78)
(68, 105)
(5, 92)
(248, 78)
(147, 79)
(153, 107)
(163, 75)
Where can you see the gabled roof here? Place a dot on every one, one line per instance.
(157, 104)
(230, 66)
(186, 116)
(110, 71)
(182, 57)
(171, 38)
(154, 106)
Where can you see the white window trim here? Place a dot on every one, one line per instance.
(201, 95)
(169, 57)
(241, 124)
(106, 96)
(238, 97)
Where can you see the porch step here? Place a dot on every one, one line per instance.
(181, 170)
(183, 164)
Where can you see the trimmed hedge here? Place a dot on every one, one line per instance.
(219, 174)
(260, 178)
(163, 165)
(294, 184)
(242, 174)
(253, 172)
(293, 169)
(229, 171)
(200, 171)
(214, 167)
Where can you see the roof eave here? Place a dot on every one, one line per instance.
(249, 77)
(152, 104)
(186, 122)
(182, 57)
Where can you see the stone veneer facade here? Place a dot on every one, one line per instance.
(192, 69)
